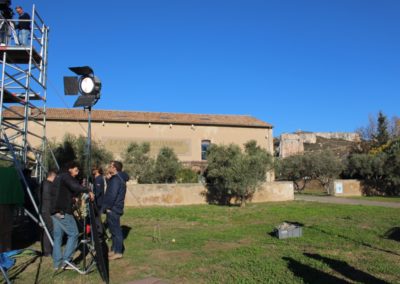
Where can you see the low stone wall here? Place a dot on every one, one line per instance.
(346, 187)
(187, 194)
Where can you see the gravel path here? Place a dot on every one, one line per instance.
(341, 200)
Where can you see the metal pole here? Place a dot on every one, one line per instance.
(88, 173)
(89, 146)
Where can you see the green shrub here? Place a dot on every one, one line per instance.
(185, 175)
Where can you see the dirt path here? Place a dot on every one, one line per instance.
(341, 200)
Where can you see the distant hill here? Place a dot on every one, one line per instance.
(338, 146)
(300, 142)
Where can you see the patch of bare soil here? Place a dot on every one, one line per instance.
(168, 255)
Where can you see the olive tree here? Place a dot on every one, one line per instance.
(295, 168)
(323, 166)
(138, 162)
(234, 174)
(166, 166)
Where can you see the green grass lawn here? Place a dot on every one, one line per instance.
(213, 244)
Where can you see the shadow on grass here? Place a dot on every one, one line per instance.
(309, 274)
(393, 234)
(354, 241)
(125, 231)
(38, 269)
(346, 270)
(18, 269)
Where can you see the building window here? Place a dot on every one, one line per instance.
(204, 147)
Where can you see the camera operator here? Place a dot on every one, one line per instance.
(63, 221)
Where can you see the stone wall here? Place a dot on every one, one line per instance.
(290, 144)
(188, 194)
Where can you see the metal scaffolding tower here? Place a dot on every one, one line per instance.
(23, 90)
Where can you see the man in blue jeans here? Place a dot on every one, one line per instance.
(23, 26)
(113, 206)
(67, 187)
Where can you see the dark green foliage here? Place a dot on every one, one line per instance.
(99, 155)
(142, 167)
(166, 166)
(185, 175)
(73, 148)
(232, 173)
(377, 160)
(380, 170)
(138, 163)
(382, 134)
(64, 151)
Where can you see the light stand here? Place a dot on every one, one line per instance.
(89, 87)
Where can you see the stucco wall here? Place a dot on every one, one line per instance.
(350, 187)
(184, 139)
(187, 194)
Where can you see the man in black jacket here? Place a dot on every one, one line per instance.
(113, 206)
(47, 198)
(23, 26)
(63, 221)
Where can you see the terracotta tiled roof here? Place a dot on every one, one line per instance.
(64, 114)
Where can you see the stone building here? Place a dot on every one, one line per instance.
(188, 134)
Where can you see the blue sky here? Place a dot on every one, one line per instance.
(314, 65)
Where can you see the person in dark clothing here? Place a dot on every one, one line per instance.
(47, 198)
(23, 26)
(98, 186)
(63, 221)
(113, 206)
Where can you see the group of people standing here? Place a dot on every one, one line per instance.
(22, 26)
(58, 194)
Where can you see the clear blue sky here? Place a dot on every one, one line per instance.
(314, 65)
